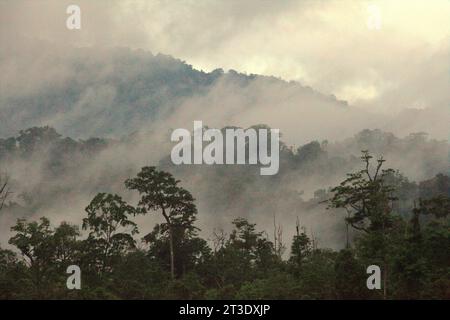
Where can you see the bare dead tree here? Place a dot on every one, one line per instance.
(314, 241)
(278, 244)
(281, 246)
(4, 189)
(219, 239)
(297, 226)
(274, 232)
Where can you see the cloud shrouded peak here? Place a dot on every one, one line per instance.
(373, 54)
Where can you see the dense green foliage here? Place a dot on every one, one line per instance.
(174, 262)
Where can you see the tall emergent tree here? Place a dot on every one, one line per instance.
(367, 197)
(160, 191)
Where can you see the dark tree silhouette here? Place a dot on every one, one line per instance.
(160, 192)
(108, 222)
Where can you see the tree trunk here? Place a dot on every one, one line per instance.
(385, 280)
(347, 244)
(172, 255)
(172, 258)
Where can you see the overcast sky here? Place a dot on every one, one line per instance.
(384, 55)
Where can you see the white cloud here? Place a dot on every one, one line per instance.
(325, 44)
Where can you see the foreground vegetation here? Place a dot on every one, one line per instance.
(174, 262)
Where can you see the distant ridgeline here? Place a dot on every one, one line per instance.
(114, 93)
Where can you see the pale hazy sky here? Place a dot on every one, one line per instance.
(382, 55)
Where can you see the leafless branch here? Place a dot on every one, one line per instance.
(4, 190)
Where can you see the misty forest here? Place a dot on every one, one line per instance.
(88, 181)
(378, 216)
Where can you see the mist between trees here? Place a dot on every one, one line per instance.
(375, 214)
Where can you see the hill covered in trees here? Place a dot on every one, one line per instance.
(89, 92)
(111, 92)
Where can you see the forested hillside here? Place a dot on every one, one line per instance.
(111, 92)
